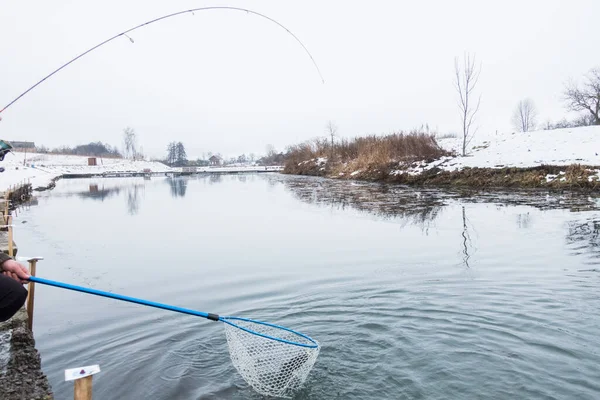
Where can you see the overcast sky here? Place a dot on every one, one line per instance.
(232, 82)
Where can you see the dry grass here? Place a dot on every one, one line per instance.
(365, 153)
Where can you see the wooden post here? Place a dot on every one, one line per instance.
(6, 208)
(10, 237)
(31, 293)
(83, 388)
(83, 380)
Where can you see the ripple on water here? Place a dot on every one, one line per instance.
(377, 274)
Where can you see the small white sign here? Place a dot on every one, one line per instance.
(81, 372)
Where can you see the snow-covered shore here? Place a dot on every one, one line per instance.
(524, 150)
(554, 158)
(41, 169)
(560, 147)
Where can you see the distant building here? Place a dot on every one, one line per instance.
(28, 147)
(214, 161)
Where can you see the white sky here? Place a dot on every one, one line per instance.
(229, 82)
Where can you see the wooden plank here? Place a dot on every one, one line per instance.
(83, 388)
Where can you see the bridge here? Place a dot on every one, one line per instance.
(226, 170)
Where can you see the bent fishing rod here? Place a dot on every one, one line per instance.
(192, 10)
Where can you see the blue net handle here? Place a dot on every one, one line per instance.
(213, 317)
(129, 299)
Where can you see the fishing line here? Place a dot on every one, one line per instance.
(124, 33)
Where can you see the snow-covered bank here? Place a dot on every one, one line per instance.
(41, 169)
(554, 148)
(524, 150)
(557, 158)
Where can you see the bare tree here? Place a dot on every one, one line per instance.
(465, 81)
(331, 131)
(130, 141)
(524, 117)
(587, 97)
(271, 152)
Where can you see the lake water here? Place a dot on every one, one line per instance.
(413, 294)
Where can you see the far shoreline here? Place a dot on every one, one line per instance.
(573, 177)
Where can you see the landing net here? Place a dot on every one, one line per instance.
(272, 359)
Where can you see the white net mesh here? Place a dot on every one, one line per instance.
(271, 367)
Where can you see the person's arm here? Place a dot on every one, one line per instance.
(3, 257)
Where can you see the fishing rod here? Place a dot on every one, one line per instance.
(124, 33)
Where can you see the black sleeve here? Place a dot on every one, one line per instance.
(12, 297)
(4, 257)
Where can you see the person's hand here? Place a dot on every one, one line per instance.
(14, 270)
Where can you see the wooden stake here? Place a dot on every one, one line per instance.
(83, 388)
(6, 209)
(31, 294)
(10, 237)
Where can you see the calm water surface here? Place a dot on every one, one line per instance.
(413, 294)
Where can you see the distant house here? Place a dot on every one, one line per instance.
(214, 161)
(28, 147)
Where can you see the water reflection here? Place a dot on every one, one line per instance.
(421, 205)
(524, 220)
(385, 201)
(542, 199)
(466, 239)
(100, 193)
(584, 237)
(133, 199)
(215, 178)
(178, 186)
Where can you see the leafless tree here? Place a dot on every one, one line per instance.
(524, 117)
(270, 150)
(465, 82)
(587, 97)
(331, 131)
(130, 141)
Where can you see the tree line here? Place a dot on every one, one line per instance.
(97, 149)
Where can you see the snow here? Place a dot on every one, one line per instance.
(555, 147)
(41, 169)
(558, 147)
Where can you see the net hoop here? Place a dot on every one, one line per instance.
(309, 342)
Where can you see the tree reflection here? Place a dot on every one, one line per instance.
(385, 201)
(133, 199)
(466, 239)
(585, 237)
(178, 186)
(215, 178)
(523, 220)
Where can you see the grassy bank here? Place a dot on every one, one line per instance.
(417, 159)
(320, 157)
